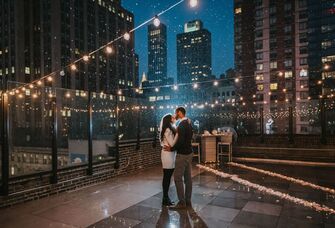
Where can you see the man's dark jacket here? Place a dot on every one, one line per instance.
(184, 142)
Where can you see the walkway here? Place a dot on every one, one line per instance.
(135, 201)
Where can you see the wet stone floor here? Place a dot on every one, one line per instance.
(135, 201)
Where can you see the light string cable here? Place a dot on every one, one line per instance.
(100, 48)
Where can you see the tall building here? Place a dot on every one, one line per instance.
(41, 36)
(278, 53)
(194, 53)
(157, 54)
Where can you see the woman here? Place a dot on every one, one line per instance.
(168, 137)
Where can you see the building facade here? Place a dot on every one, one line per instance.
(277, 54)
(194, 54)
(157, 54)
(39, 37)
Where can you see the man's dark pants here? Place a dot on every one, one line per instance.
(183, 168)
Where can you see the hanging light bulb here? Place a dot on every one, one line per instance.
(280, 74)
(119, 92)
(23, 89)
(193, 3)
(31, 86)
(109, 50)
(73, 67)
(67, 95)
(20, 95)
(175, 87)
(34, 95)
(195, 86)
(156, 89)
(62, 73)
(49, 78)
(157, 22)
(126, 36)
(39, 83)
(237, 80)
(326, 67)
(86, 58)
(17, 91)
(137, 90)
(215, 83)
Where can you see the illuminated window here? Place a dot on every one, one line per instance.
(329, 58)
(27, 70)
(273, 86)
(273, 65)
(288, 74)
(260, 87)
(259, 77)
(303, 73)
(238, 10)
(260, 66)
(152, 99)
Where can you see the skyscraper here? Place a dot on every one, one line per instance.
(39, 37)
(194, 54)
(277, 53)
(157, 54)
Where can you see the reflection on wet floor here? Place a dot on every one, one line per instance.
(219, 202)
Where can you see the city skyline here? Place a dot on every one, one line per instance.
(217, 17)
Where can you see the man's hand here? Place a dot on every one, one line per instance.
(167, 148)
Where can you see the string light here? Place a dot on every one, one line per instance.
(126, 36)
(237, 80)
(215, 83)
(34, 95)
(109, 50)
(31, 86)
(68, 95)
(119, 92)
(326, 67)
(39, 83)
(49, 78)
(73, 67)
(20, 95)
(156, 90)
(175, 87)
(86, 58)
(195, 86)
(157, 22)
(193, 3)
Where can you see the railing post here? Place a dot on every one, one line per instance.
(89, 133)
(54, 132)
(117, 152)
(323, 138)
(5, 141)
(261, 122)
(155, 131)
(138, 127)
(290, 124)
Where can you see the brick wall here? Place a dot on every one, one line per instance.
(38, 186)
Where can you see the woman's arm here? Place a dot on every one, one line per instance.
(170, 138)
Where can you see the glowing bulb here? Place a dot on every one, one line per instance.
(216, 83)
(11, 93)
(31, 86)
(157, 22)
(50, 95)
(280, 74)
(86, 58)
(23, 89)
(68, 95)
(119, 92)
(20, 95)
(73, 67)
(319, 82)
(284, 90)
(126, 36)
(49, 78)
(109, 50)
(137, 90)
(35, 95)
(17, 91)
(195, 85)
(237, 80)
(39, 83)
(326, 67)
(156, 90)
(175, 87)
(193, 3)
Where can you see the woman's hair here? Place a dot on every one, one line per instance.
(165, 124)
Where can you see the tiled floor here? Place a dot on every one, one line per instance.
(135, 201)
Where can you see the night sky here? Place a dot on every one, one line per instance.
(217, 16)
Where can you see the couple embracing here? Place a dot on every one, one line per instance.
(175, 137)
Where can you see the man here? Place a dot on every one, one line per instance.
(183, 166)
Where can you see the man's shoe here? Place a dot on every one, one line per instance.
(179, 206)
(167, 202)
